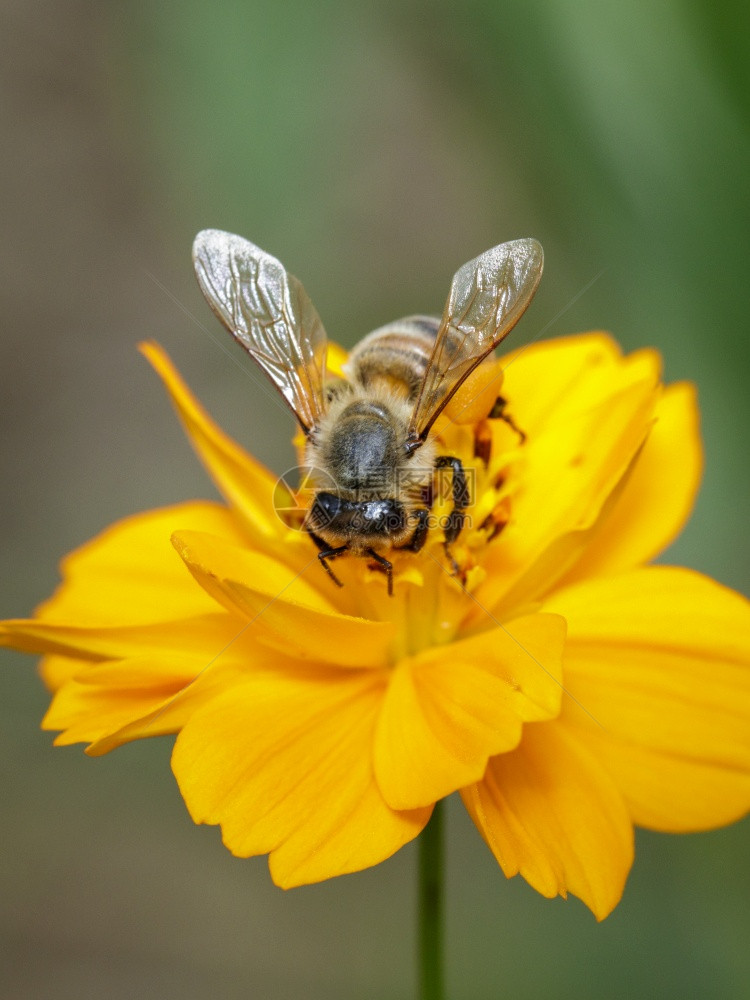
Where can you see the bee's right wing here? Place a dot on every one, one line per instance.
(487, 298)
(269, 313)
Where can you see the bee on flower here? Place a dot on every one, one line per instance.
(491, 625)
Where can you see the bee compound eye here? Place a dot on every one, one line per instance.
(326, 507)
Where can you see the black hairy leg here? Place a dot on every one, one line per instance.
(498, 413)
(386, 566)
(460, 497)
(328, 552)
(417, 540)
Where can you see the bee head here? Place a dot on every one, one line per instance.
(365, 522)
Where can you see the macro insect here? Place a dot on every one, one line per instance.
(368, 439)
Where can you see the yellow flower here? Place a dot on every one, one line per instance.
(566, 689)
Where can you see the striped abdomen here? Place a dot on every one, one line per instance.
(395, 355)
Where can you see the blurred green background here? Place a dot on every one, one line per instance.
(374, 149)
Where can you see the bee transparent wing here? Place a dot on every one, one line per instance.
(487, 298)
(269, 313)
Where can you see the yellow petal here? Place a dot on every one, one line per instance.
(552, 813)
(285, 766)
(207, 634)
(222, 675)
(546, 381)
(107, 696)
(569, 472)
(130, 573)
(246, 484)
(659, 658)
(659, 494)
(283, 608)
(56, 670)
(447, 710)
(336, 360)
(115, 701)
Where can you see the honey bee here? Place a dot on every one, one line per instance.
(368, 438)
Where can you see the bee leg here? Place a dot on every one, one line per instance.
(460, 490)
(498, 413)
(420, 532)
(326, 553)
(387, 568)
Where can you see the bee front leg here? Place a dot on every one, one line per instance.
(419, 537)
(326, 553)
(387, 568)
(456, 518)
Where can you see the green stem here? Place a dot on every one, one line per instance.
(431, 908)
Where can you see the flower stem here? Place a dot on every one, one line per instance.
(431, 908)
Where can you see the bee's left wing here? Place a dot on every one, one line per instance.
(269, 313)
(487, 298)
